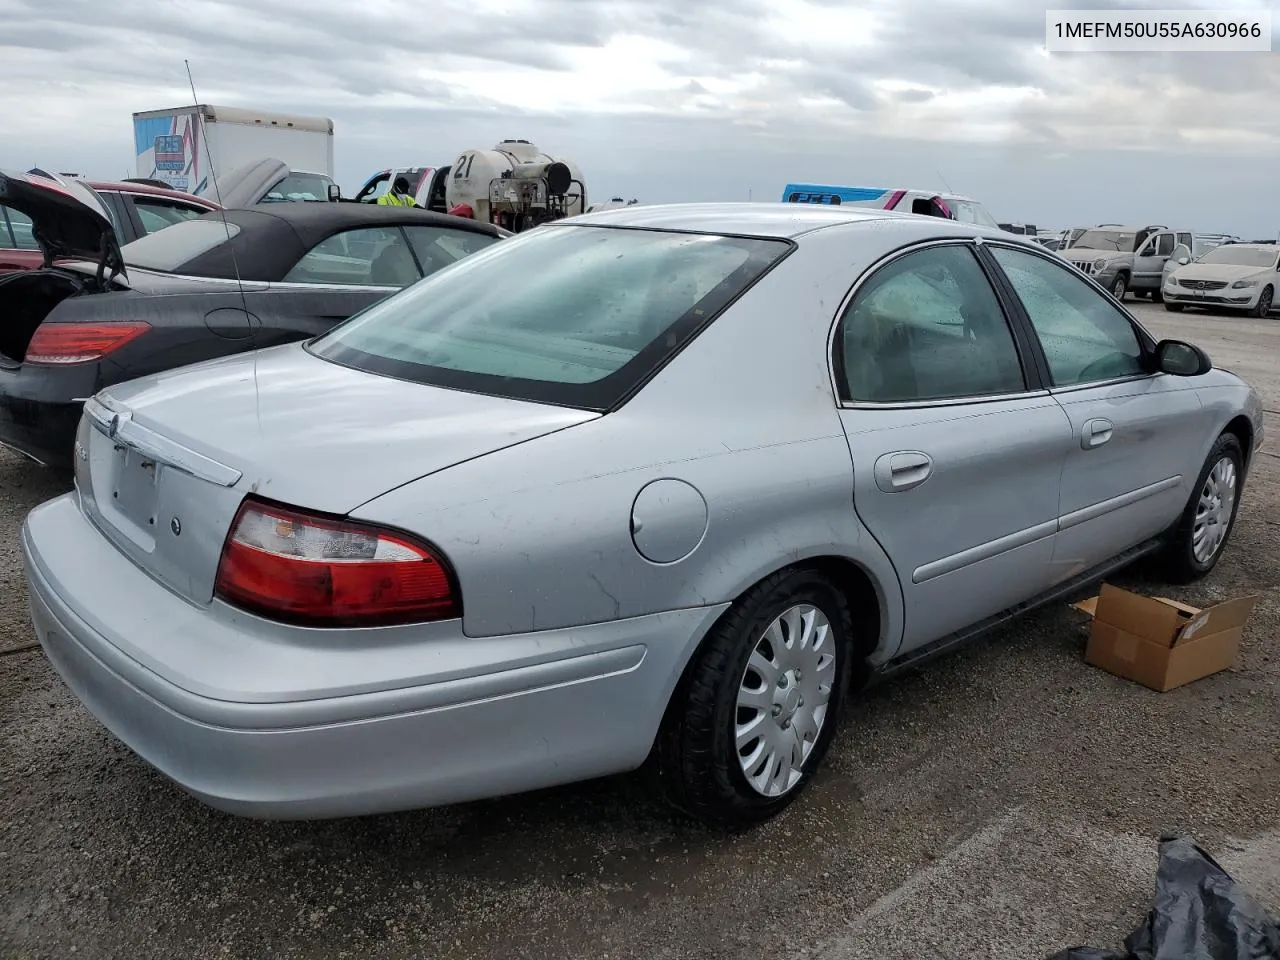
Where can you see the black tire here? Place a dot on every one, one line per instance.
(1181, 564)
(697, 758)
(1174, 307)
(1120, 286)
(1263, 306)
(1157, 295)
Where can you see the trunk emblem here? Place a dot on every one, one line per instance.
(176, 526)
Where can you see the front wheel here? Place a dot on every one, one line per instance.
(1173, 307)
(1119, 286)
(1263, 306)
(758, 706)
(1206, 523)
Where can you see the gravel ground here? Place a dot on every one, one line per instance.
(1002, 802)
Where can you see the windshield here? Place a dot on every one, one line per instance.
(968, 211)
(169, 249)
(1240, 256)
(299, 187)
(578, 316)
(1118, 240)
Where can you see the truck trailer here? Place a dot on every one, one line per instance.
(188, 147)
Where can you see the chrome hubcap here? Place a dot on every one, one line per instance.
(1213, 510)
(783, 698)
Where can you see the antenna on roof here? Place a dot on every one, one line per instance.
(943, 179)
(226, 226)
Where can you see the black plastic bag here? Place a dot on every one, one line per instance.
(1199, 913)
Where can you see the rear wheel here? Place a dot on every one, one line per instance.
(1263, 306)
(1206, 523)
(758, 706)
(1119, 286)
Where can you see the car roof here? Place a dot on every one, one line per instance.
(779, 220)
(124, 186)
(274, 236)
(314, 221)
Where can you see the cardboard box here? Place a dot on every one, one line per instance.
(1161, 643)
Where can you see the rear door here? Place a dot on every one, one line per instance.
(957, 448)
(1137, 437)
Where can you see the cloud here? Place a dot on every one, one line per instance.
(667, 99)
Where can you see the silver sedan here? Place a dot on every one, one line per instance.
(662, 483)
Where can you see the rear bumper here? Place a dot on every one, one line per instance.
(527, 711)
(38, 417)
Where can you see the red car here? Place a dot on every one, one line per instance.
(135, 209)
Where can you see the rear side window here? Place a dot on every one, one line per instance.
(169, 249)
(927, 326)
(157, 214)
(577, 316)
(16, 230)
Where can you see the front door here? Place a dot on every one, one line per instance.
(1136, 437)
(956, 460)
(1148, 263)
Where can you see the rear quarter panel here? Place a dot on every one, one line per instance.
(540, 534)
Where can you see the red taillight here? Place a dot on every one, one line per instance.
(289, 566)
(81, 342)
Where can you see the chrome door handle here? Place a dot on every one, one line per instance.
(1095, 433)
(904, 470)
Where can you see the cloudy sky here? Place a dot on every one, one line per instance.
(673, 100)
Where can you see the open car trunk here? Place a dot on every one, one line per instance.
(27, 298)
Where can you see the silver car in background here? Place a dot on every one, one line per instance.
(660, 483)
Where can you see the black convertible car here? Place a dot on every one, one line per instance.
(226, 282)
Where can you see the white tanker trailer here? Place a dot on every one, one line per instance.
(514, 185)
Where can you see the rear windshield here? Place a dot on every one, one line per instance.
(169, 249)
(571, 315)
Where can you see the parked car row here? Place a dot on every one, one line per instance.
(96, 312)
(551, 513)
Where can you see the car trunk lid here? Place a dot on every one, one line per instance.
(69, 219)
(163, 463)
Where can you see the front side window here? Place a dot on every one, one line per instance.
(157, 214)
(1085, 337)
(437, 247)
(573, 315)
(967, 211)
(927, 326)
(371, 256)
(1164, 245)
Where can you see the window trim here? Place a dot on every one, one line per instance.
(1027, 351)
(1146, 342)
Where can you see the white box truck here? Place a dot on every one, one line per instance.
(187, 147)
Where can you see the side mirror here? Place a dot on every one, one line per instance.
(335, 192)
(1180, 359)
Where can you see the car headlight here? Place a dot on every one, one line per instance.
(1243, 284)
(1099, 263)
